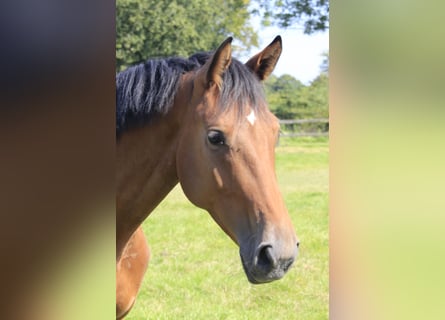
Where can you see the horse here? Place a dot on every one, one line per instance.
(203, 122)
(130, 270)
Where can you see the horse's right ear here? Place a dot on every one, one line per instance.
(218, 63)
(263, 63)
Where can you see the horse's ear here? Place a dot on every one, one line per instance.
(263, 63)
(218, 63)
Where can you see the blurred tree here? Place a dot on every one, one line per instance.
(312, 14)
(319, 96)
(158, 28)
(282, 94)
(288, 98)
(324, 67)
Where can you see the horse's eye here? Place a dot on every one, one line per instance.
(216, 137)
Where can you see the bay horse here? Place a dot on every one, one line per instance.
(202, 122)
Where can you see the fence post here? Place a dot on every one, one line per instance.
(287, 122)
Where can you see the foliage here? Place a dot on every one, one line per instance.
(325, 63)
(158, 28)
(195, 271)
(288, 98)
(312, 14)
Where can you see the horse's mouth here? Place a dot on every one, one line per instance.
(257, 276)
(248, 273)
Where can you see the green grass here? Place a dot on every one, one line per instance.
(195, 271)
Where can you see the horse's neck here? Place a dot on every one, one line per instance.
(146, 172)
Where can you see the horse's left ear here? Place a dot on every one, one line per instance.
(219, 63)
(263, 63)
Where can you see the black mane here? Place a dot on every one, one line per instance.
(149, 88)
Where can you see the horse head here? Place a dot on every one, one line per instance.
(226, 164)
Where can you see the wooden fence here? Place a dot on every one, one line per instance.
(304, 128)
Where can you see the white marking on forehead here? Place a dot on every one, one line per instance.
(251, 117)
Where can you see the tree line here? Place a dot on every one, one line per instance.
(159, 28)
(289, 98)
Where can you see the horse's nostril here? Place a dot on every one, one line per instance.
(266, 258)
(298, 244)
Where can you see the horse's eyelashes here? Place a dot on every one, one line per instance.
(216, 137)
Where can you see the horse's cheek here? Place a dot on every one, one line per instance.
(190, 173)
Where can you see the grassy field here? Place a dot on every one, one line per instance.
(196, 273)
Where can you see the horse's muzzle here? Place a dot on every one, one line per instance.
(267, 264)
